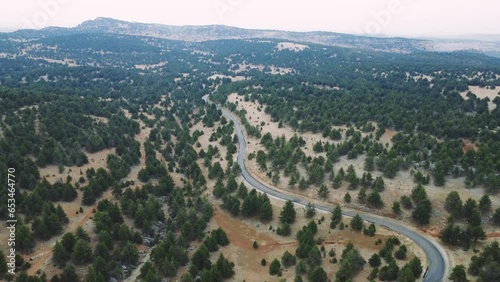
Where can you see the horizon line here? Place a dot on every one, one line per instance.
(462, 36)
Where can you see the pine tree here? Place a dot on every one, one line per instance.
(69, 273)
(225, 268)
(422, 212)
(310, 210)
(347, 198)
(396, 208)
(485, 204)
(453, 204)
(24, 238)
(318, 274)
(129, 254)
(68, 240)
(60, 255)
(416, 266)
(288, 213)
(82, 234)
(336, 216)
(458, 274)
(275, 267)
(323, 191)
(357, 223)
(266, 212)
(303, 183)
(374, 260)
(374, 200)
(93, 275)
(288, 259)
(82, 253)
(362, 196)
(406, 274)
(201, 258)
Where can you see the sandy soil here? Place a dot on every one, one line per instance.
(66, 61)
(291, 46)
(401, 185)
(469, 145)
(420, 76)
(232, 78)
(96, 160)
(326, 87)
(256, 118)
(242, 233)
(482, 93)
(41, 256)
(151, 66)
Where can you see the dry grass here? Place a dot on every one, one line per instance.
(291, 46)
(482, 93)
(232, 78)
(401, 185)
(242, 233)
(151, 66)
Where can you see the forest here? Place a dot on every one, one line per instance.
(78, 95)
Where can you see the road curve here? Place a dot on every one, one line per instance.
(436, 257)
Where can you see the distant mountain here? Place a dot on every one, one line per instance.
(217, 32)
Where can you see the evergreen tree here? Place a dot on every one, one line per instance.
(69, 274)
(362, 196)
(82, 252)
(288, 259)
(68, 240)
(24, 238)
(266, 212)
(60, 255)
(396, 208)
(323, 191)
(416, 266)
(458, 274)
(347, 198)
(453, 204)
(275, 267)
(485, 204)
(374, 200)
(82, 234)
(422, 212)
(93, 275)
(496, 217)
(336, 216)
(318, 274)
(129, 254)
(288, 213)
(350, 263)
(357, 223)
(201, 258)
(374, 260)
(406, 274)
(310, 210)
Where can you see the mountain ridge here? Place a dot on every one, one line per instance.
(192, 33)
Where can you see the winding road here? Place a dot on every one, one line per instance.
(436, 256)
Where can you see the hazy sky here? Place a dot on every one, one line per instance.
(393, 17)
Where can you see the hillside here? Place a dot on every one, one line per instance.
(148, 152)
(218, 32)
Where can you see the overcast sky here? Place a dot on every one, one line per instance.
(391, 17)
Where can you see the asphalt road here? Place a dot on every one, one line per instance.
(436, 258)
